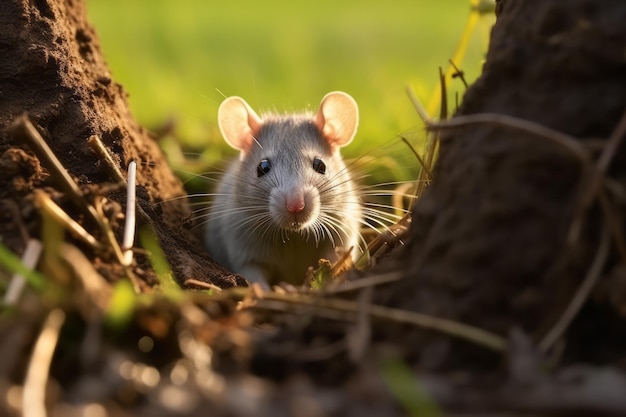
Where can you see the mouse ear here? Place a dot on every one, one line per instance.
(337, 118)
(238, 123)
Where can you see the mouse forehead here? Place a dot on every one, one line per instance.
(291, 136)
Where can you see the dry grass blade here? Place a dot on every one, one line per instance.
(612, 145)
(459, 54)
(96, 287)
(98, 146)
(582, 294)
(269, 300)
(201, 284)
(443, 112)
(389, 238)
(44, 201)
(458, 74)
(370, 281)
(423, 164)
(425, 175)
(559, 138)
(421, 111)
(342, 264)
(109, 236)
(596, 180)
(614, 222)
(33, 399)
(452, 328)
(24, 128)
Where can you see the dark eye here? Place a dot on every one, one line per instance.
(319, 166)
(263, 168)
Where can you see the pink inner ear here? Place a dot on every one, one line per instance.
(238, 123)
(337, 118)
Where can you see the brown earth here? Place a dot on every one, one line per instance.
(490, 243)
(52, 70)
(515, 226)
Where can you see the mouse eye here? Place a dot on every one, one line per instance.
(319, 166)
(263, 168)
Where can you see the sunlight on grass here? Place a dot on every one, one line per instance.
(157, 257)
(173, 57)
(122, 305)
(407, 389)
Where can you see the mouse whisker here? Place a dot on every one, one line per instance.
(326, 230)
(385, 209)
(388, 194)
(378, 221)
(341, 227)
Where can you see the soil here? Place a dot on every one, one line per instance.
(512, 229)
(52, 70)
(490, 243)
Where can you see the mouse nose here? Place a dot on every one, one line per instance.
(295, 204)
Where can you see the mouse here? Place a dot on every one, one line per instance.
(289, 199)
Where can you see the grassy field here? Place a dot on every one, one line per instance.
(177, 58)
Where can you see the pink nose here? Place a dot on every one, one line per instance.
(295, 206)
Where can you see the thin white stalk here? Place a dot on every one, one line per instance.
(18, 282)
(129, 226)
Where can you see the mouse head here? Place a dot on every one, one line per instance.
(337, 119)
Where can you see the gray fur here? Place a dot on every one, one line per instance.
(244, 234)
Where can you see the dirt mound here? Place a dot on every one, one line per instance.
(52, 70)
(508, 295)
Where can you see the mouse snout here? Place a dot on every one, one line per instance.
(294, 208)
(295, 203)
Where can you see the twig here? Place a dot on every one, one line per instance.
(276, 301)
(462, 331)
(360, 283)
(613, 225)
(102, 150)
(613, 144)
(565, 141)
(25, 128)
(129, 225)
(96, 287)
(30, 258)
(595, 182)
(459, 74)
(43, 200)
(581, 294)
(33, 398)
(98, 146)
(386, 239)
(418, 157)
(123, 254)
(110, 238)
(431, 148)
(344, 262)
(201, 284)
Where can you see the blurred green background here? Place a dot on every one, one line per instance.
(175, 59)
